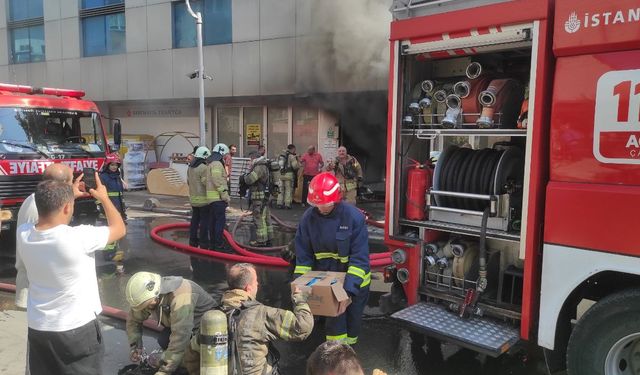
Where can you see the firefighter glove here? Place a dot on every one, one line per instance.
(300, 296)
(136, 354)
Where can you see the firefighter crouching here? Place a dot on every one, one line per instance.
(260, 184)
(348, 172)
(289, 166)
(178, 304)
(253, 327)
(333, 236)
(197, 174)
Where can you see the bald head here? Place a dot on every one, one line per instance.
(58, 172)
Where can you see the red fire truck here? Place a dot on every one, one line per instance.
(40, 126)
(513, 181)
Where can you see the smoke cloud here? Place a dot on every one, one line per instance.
(346, 46)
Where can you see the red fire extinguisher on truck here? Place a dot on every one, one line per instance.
(418, 181)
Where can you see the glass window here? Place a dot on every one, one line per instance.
(27, 44)
(104, 35)
(305, 128)
(87, 4)
(49, 131)
(216, 23)
(229, 125)
(24, 9)
(252, 117)
(277, 129)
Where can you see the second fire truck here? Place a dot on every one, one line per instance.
(513, 182)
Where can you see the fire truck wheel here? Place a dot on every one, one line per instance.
(606, 340)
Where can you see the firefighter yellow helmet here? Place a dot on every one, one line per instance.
(141, 287)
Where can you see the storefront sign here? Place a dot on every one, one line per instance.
(154, 111)
(254, 134)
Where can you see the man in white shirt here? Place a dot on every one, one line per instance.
(63, 300)
(28, 213)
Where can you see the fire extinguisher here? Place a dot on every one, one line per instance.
(418, 181)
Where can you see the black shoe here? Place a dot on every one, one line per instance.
(280, 207)
(288, 207)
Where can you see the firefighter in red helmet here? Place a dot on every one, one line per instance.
(332, 236)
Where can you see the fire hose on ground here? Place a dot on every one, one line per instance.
(109, 311)
(243, 251)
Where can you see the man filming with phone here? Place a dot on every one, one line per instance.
(58, 260)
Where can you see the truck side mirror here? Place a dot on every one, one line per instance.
(117, 133)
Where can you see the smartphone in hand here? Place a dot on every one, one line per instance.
(89, 178)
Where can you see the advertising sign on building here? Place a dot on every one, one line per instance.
(254, 134)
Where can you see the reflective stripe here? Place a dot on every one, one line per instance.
(114, 193)
(332, 256)
(366, 281)
(302, 269)
(213, 194)
(198, 199)
(359, 272)
(286, 325)
(342, 338)
(351, 340)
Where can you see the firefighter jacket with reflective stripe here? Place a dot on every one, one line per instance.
(291, 163)
(113, 182)
(349, 173)
(181, 306)
(217, 187)
(197, 180)
(337, 242)
(259, 325)
(258, 179)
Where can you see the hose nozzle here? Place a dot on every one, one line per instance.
(427, 86)
(474, 70)
(440, 96)
(462, 89)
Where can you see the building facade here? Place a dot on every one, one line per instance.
(283, 71)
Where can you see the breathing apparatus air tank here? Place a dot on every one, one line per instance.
(214, 352)
(418, 181)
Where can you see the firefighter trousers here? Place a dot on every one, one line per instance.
(199, 228)
(286, 189)
(262, 219)
(346, 327)
(218, 220)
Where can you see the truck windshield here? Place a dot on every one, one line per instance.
(56, 133)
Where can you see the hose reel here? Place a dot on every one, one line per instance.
(468, 181)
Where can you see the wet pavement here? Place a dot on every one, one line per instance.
(382, 344)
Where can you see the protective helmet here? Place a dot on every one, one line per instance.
(113, 158)
(202, 152)
(141, 287)
(221, 148)
(324, 189)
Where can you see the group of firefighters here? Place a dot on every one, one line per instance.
(331, 236)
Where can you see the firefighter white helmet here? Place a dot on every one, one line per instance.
(221, 148)
(141, 287)
(202, 152)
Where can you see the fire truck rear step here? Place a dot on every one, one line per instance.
(479, 334)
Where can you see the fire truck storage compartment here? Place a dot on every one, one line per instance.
(466, 119)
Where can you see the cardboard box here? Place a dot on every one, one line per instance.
(328, 297)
